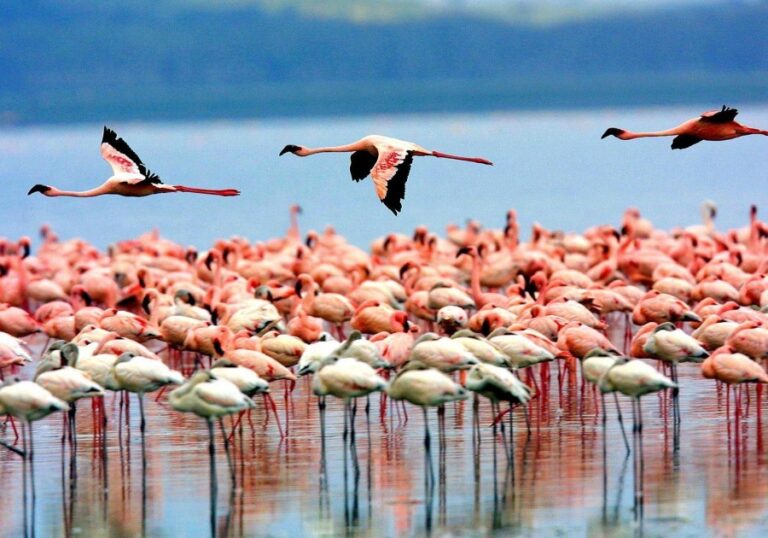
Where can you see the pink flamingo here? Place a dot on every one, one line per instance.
(387, 160)
(714, 125)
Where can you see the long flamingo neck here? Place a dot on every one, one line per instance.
(478, 160)
(98, 191)
(629, 135)
(293, 231)
(334, 149)
(308, 298)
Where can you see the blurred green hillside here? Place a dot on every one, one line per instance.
(87, 60)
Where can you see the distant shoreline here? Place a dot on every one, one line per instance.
(365, 98)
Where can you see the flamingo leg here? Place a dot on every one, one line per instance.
(274, 411)
(621, 419)
(212, 467)
(31, 457)
(226, 450)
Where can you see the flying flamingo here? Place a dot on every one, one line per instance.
(131, 176)
(387, 160)
(714, 125)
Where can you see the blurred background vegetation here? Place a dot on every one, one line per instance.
(94, 60)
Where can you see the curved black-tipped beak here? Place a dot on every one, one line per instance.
(612, 131)
(290, 148)
(406, 325)
(208, 261)
(297, 288)
(146, 304)
(463, 250)
(87, 299)
(42, 189)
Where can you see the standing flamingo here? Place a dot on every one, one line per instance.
(635, 378)
(714, 125)
(131, 177)
(211, 398)
(29, 402)
(387, 160)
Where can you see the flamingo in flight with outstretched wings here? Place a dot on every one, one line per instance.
(387, 160)
(714, 125)
(130, 176)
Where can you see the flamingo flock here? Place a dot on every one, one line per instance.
(424, 319)
(427, 319)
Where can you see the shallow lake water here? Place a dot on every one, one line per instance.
(559, 482)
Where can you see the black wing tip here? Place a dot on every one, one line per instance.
(724, 115)
(394, 209)
(108, 136)
(360, 164)
(684, 141)
(396, 185)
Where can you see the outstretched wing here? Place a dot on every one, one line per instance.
(123, 159)
(720, 116)
(389, 176)
(361, 163)
(684, 141)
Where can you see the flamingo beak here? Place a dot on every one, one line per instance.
(290, 148)
(42, 189)
(146, 304)
(612, 131)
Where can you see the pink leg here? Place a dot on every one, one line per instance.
(236, 423)
(277, 417)
(501, 416)
(160, 394)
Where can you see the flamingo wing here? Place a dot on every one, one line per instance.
(123, 159)
(223, 394)
(724, 115)
(684, 141)
(361, 163)
(389, 176)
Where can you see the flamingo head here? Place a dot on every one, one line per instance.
(296, 150)
(42, 189)
(613, 131)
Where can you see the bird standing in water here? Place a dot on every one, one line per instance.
(130, 176)
(387, 160)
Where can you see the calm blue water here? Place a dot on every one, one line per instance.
(551, 166)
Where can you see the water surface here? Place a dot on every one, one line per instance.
(560, 482)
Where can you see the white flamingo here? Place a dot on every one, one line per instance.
(130, 176)
(387, 160)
